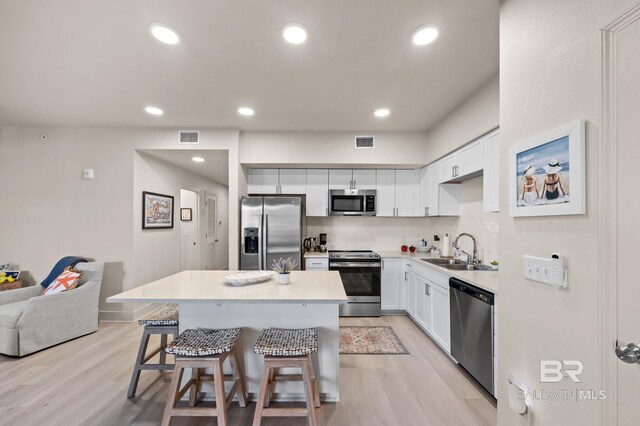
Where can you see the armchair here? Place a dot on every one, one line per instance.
(30, 322)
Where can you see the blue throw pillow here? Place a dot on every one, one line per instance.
(63, 263)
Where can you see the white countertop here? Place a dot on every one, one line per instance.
(208, 286)
(486, 280)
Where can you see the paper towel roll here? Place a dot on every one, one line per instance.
(445, 245)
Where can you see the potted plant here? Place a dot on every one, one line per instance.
(284, 267)
(494, 264)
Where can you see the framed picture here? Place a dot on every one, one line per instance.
(547, 173)
(185, 214)
(157, 211)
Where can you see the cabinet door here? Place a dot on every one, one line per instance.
(491, 180)
(317, 192)
(263, 181)
(441, 329)
(425, 192)
(293, 181)
(406, 183)
(434, 188)
(390, 284)
(423, 302)
(316, 264)
(340, 178)
(447, 168)
(364, 179)
(470, 158)
(385, 192)
(411, 293)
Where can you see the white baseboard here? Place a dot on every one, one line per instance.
(126, 316)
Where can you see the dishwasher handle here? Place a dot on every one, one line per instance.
(473, 291)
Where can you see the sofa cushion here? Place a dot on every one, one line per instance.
(10, 313)
(65, 281)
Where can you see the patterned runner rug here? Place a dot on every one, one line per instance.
(370, 340)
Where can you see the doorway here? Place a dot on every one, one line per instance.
(189, 235)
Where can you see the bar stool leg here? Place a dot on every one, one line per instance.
(316, 391)
(309, 394)
(221, 398)
(271, 386)
(174, 390)
(135, 375)
(242, 390)
(262, 393)
(163, 344)
(193, 389)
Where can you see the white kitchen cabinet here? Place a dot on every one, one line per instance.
(364, 179)
(292, 181)
(411, 292)
(405, 271)
(390, 284)
(406, 183)
(263, 181)
(317, 192)
(446, 168)
(441, 328)
(491, 180)
(340, 178)
(316, 264)
(385, 192)
(423, 313)
(424, 176)
(470, 159)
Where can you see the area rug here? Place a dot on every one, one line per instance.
(370, 340)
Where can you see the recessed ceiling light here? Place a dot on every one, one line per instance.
(246, 111)
(294, 33)
(164, 33)
(381, 112)
(197, 159)
(153, 110)
(424, 35)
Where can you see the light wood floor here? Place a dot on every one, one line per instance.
(85, 382)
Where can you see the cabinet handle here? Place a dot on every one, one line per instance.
(326, 210)
(425, 211)
(405, 276)
(453, 171)
(354, 184)
(382, 263)
(427, 289)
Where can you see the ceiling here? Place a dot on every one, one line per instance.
(80, 62)
(214, 167)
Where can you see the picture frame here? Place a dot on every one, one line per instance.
(547, 173)
(186, 214)
(157, 211)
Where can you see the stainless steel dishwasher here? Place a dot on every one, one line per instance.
(472, 330)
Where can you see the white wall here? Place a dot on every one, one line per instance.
(156, 251)
(55, 212)
(549, 75)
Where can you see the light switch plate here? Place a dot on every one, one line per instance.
(544, 271)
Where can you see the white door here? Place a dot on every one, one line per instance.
(627, 105)
(447, 168)
(263, 181)
(293, 181)
(406, 183)
(364, 179)
(425, 192)
(434, 191)
(423, 302)
(390, 284)
(188, 250)
(411, 293)
(317, 192)
(210, 256)
(340, 179)
(385, 192)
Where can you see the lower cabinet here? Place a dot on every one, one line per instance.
(424, 308)
(316, 264)
(390, 285)
(441, 327)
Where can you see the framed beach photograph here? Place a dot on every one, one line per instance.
(157, 211)
(185, 214)
(547, 173)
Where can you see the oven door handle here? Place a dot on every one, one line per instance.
(355, 264)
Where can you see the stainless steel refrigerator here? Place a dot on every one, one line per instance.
(271, 227)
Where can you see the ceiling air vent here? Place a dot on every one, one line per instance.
(189, 137)
(364, 142)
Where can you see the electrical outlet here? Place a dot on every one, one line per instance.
(547, 271)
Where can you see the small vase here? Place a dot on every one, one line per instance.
(284, 278)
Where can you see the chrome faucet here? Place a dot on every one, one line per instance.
(471, 258)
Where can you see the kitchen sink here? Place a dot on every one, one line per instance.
(466, 267)
(444, 262)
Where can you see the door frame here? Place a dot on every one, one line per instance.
(196, 222)
(607, 215)
(207, 197)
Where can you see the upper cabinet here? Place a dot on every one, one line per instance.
(466, 162)
(491, 183)
(352, 179)
(277, 181)
(386, 193)
(397, 192)
(406, 191)
(317, 192)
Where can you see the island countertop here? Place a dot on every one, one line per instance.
(208, 286)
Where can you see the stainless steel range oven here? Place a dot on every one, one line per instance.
(360, 271)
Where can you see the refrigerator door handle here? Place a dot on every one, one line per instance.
(266, 242)
(260, 244)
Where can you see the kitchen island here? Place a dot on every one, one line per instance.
(310, 300)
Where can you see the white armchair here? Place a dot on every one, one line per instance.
(30, 322)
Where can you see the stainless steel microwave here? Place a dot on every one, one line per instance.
(352, 202)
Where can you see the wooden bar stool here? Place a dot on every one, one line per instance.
(162, 321)
(201, 349)
(284, 348)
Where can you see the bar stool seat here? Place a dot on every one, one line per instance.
(162, 321)
(200, 349)
(287, 348)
